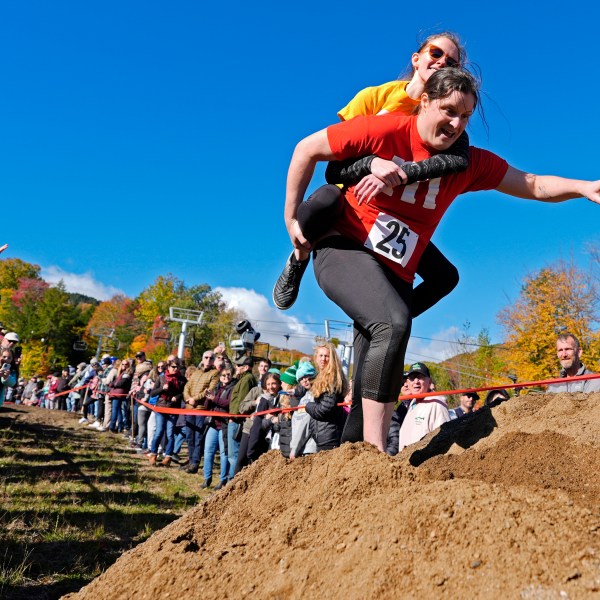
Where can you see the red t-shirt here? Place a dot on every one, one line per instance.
(398, 224)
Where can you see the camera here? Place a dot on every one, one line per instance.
(247, 339)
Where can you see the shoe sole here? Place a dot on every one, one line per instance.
(279, 306)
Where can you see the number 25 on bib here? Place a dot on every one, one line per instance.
(392, 238)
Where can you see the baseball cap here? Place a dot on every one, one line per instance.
(245, 361)
(11, 336)
(473, 395)
(419, 367)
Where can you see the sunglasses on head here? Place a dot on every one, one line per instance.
(437, 53)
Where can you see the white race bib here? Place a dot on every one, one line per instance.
(392, 238)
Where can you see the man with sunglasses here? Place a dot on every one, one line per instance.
(194, 394)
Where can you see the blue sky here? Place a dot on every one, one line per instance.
(140, 138)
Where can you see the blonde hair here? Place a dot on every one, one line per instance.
(331, 379)
(285, 401)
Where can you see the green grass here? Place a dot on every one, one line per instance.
(73, 500)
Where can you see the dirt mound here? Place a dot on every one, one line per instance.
(503, 503)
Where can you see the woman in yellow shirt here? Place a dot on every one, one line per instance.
(439, 275)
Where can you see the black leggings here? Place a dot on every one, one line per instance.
(317, 214)
(378, 302)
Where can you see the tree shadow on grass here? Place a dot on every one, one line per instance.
(65, 537)
(72, 563)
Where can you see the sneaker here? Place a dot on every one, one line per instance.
(94, 424)
(101, 428)
(287, 287)
(83, 420)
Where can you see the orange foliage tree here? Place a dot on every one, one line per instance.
(554, 300)
(116, 314)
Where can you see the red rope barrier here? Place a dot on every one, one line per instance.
(210, 413)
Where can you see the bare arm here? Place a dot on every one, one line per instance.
(308, 152)
(547, 188)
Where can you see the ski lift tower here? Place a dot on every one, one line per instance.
(103, 335)
(185, 316)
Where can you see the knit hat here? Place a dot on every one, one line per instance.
(289, 375)
(274, 370)
(305, 369)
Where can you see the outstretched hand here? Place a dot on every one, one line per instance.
(3, 248)
(592, 191)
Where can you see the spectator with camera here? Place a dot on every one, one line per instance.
(205, 378)
(8, 373)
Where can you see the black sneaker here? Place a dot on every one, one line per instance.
(287, 287)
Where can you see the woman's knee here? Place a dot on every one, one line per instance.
(316, 213)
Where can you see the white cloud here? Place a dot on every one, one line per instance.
(79, 283)
(439, 348)
(272, 323)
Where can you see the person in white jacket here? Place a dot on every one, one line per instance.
(424, 414)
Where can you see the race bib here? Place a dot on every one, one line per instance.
(392, 238)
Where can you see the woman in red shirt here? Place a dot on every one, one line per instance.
(367, 261)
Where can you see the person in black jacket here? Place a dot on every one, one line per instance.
(328, 390)
(263, 424)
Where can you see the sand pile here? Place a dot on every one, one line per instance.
(505, 503)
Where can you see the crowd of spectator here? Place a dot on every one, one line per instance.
(141, 400)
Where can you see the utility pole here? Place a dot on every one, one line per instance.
(347, 347)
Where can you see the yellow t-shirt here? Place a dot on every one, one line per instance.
(380, 99)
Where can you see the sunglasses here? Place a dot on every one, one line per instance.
(173, 366)
(437, 53)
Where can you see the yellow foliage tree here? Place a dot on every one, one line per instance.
(138, 344)
(554, 300)
(36, 359)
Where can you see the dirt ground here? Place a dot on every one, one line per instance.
(502, 504)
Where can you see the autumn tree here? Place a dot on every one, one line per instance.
(12, 270)
(117, 315)
(46, 315)
(554, 300)
(169, 291)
